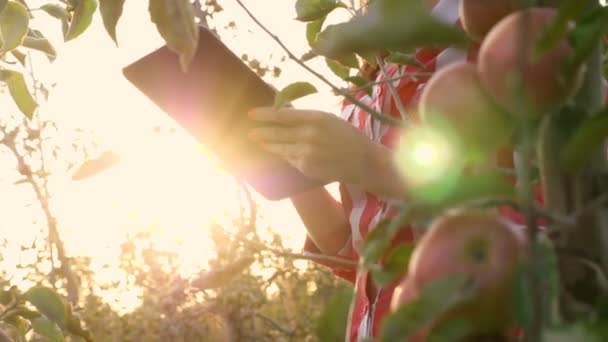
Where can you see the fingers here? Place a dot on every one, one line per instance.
(284, 116)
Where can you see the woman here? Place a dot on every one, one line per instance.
(355, 150)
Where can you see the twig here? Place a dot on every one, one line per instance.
(412, 74)
(274, 324)
(309, 256)
(392, 89)
(377, 115)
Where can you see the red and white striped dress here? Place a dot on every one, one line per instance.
(365, 210)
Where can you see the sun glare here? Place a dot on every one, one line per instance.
(166, 183)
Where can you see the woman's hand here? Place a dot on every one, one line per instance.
(324, 147)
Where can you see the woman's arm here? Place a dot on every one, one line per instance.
(323, 146)
(324, 218)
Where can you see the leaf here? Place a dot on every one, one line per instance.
(42, 45)
(14, 22)
(522, 303)
(332, 322)
(59, 13)
(47, 329)
(17, 322)
(389, 24)
(451, 330)
(75, 328)
(576, 332)
(585, 37)
(293, 92)
(403, 59)
(435, 299)
(93, 167)
(568, 11)
(81, 20)
(312, 30)
(311, 10)
(20, 56)
(337, 68)
(18, 89)
(394, 266)
(49, 303)
(220, 277)
(349, 60)
(378, 239)
(111, 11)
(585, 141)
(359, 81)
(175, 21)
(27, 313)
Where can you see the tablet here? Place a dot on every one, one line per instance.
(211, 101)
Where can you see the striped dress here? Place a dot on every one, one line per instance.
(365, 210)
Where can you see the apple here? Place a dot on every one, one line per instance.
(454, 99)
(480, 245)
(507, 49)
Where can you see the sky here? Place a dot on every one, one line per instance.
(167, 184)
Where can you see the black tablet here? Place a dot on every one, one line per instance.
(211, 101)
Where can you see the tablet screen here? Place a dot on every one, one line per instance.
(211, 101)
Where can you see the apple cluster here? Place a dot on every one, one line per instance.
(480, 102)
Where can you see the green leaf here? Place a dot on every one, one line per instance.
(49, 303)
(220, 277)
(337, 68)
(332, 322)
(111, 11)
(81, 20)
(576, 332)
(359, 81)
(522, 303)
(293, 92)
(18, 322)
(14, 22)
(311, 10)
(378, 239)
(452, 330)
(403, 59)
(47, 329)
(389, 24)
(27, 313)
(59, 13)
(42, 45)
(547, 261)
(349, 60)
(435, 299)
(18, 90)
(585, 141)
(175, 21)
(568, 11)
(20, 56)
(585, 37)
(394, 266)
(312, 30)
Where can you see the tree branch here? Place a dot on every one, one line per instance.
(377, 115)
(309, 256)
(392, 89)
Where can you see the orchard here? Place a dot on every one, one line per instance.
(504, 154)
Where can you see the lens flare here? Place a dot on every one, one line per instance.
(429, 160)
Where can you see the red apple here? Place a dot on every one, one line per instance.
(454, 96)
(479, 245)
(507, 48)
